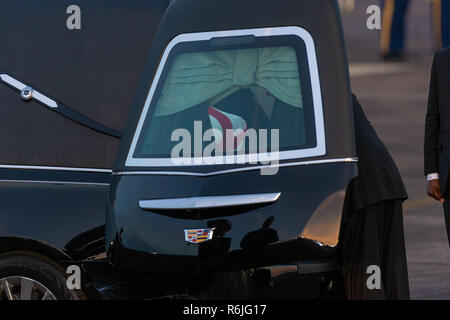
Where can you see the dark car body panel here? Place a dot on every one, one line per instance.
(51, 187)
(155, 240)
(94, 70)
(52, 207)
(166, 229)
(55, 173)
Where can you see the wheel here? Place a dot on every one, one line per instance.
(29, 276)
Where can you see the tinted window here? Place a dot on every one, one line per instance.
(259, 88)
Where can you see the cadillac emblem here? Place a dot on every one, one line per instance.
(198, 235)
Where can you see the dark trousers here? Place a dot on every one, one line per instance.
(392, 39)
(445, 22)
(441, 23)
(447, 214)
(374, 236)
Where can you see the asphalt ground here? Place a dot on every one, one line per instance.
(394, 98)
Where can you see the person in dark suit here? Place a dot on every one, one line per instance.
(372, 222)
(437, 133)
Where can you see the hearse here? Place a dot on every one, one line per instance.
(180, 149)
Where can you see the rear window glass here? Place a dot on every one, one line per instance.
(231, 95)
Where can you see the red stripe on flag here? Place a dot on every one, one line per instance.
(223, 120)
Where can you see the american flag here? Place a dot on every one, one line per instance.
(221, 121)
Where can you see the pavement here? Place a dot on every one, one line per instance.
(394, 98)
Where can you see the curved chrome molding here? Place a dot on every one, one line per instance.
(207, 174)
(207, 202)
(36, 94)
(28, 93)
(303, 36)
(6, 166)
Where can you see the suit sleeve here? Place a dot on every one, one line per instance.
(432, 125)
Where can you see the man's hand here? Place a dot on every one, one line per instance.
(434, 190)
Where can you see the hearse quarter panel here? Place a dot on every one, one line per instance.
(186, 200)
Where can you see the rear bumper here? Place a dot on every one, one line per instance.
(297, 280)
(309, 256)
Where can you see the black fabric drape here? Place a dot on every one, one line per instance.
(372, 221)
(374, 236)
(378, 177)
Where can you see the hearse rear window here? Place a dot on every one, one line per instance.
(232, 93)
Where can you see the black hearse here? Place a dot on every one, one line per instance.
(228, 178)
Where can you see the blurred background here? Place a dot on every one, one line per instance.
(394, 96)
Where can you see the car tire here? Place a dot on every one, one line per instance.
(27, 275)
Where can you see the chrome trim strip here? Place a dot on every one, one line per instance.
(12, 82)
(44, 99)
(207, 174)
(36, 94)
(207, 202)
(55, 182)
(6, 166)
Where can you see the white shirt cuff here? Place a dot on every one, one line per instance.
(432, 176)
